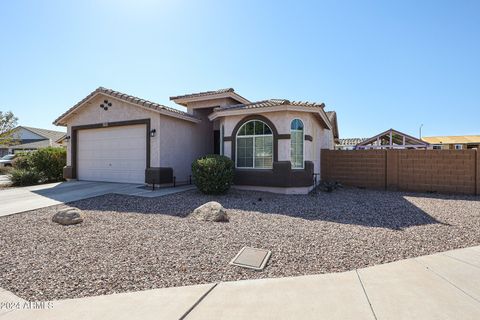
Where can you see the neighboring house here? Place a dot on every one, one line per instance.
(454, 142)
(276, 144)
(28, 139)
(348, 143)
(392, 139)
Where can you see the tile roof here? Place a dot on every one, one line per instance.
(271, 103)
(35, 145)
(48, 134)
(128, 98)
(351, 141)
(331, 115)
(452, 139)
(202, 94)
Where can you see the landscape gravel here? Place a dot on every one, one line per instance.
(129, 243)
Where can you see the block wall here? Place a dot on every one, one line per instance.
(443, 171)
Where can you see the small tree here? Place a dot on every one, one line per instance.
(7, 123)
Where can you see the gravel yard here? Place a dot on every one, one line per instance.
(129, 243)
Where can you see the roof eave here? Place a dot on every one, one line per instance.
(183, 101)
(240, 111)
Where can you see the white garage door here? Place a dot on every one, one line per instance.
(116, 154)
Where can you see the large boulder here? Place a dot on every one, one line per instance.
(67, 216)
(210, 211)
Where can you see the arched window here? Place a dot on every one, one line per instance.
(296, 143)
(254, 145)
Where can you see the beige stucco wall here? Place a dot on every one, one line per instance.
(91, 113)
(322, 138)
(181, 142)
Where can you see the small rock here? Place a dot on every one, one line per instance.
(210, 211)
(67, 216)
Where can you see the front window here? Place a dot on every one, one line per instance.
(255, 145)
(458, 147)
(296, 144)
(437, 147)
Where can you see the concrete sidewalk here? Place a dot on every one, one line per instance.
(4, 180)
(440, 286)
(15, 200)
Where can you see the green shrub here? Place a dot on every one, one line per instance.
(22, 161)
(213, 174)
(40, 166)
(22, 177)
(49, 162)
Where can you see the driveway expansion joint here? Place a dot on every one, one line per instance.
(446, 280)
(460, 260)
(366, 295)
(198, 301)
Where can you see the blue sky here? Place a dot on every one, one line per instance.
(379, 64)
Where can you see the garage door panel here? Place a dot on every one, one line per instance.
(116, 154)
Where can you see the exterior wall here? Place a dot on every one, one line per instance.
(451, 146)
(322, 138)
(444, 171)
(181, 142)
(360, 168)
(282, 175)
(119, 111)
(437, 170)
(3, 152)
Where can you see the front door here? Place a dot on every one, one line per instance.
(216, 141)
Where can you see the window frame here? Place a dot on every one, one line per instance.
(458, 145)
(303, 145)
(437, 147)
(237, 136)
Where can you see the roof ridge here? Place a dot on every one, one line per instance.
(35, 128)
(202, 93)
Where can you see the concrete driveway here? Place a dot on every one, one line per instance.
(15, 200)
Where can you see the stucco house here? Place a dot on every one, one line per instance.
(24, 138)
(454, 142)
(276, 143)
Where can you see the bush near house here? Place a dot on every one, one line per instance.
(42, 166)
(49, 162)
(213, 174)
(22, 177)
(22, 161)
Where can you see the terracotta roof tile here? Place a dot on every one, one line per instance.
(271, 103)
(351, 141)
(202, 94)
(125, 97)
